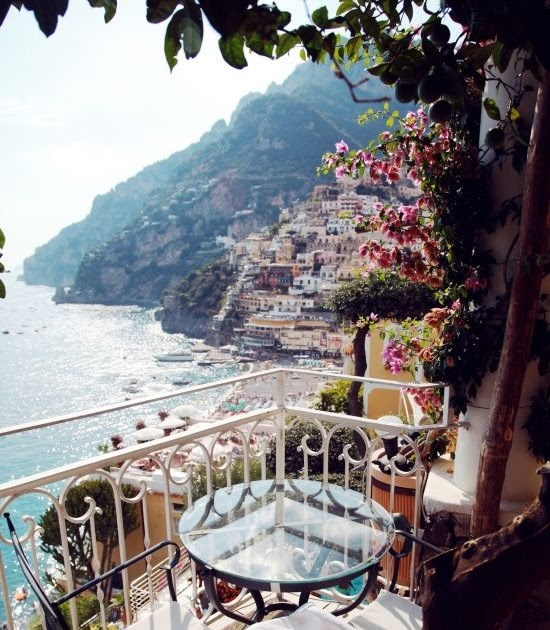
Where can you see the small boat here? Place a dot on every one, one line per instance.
(132, 387)
(182, 355)
(21, 594)
(179, 382)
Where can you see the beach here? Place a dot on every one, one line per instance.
(301, 389)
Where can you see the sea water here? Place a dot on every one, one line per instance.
(59, 359)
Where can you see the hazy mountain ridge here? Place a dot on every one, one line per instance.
(160, 225)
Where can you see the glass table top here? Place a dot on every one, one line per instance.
(298, 531)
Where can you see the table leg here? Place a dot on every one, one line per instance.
(369, 585)
(211, 591)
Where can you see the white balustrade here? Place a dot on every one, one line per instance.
(207, 454)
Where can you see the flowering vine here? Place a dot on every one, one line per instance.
(430, 241)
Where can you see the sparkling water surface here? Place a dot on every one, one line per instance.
(58, 359)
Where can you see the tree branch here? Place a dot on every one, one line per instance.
(526, 286)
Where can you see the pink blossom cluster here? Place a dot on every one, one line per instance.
(423, 152)
(395, 357)
(429, 400)
(418, 266)
(474, 282)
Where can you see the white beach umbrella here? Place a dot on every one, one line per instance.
(185, 411)
(171, 423)
(148, 433)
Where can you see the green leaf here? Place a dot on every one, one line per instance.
(287, 41)
(172, 39)
(477, 56)
(513, 114)
(232, 49)
(311, 40)
(192, 37)
(185, 26)
(320, 17)
(258, 44)
(408, 9)
(160, 10)
(492, 108)
(371, 27)
(346, 5)
(2, 290)
(108, 5)
(354, 46)
(378, 69)
(2, 239)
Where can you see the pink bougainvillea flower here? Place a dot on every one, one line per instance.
(394, 357)
(474, 283)
(340, 171)
(341, 147)
(393, 175)
(365, 157)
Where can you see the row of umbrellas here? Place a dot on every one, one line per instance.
(176, 421)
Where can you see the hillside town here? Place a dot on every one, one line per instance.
(286, 272)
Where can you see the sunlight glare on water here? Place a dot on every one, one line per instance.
(58, 359)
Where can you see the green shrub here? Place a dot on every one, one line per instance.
(199, 487)
(335, 397)
(86, 607)
(294, 458)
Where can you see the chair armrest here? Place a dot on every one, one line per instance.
(404, 529)
(121, 567)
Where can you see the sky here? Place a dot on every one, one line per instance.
(93, 104)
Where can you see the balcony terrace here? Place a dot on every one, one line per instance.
(161, 478)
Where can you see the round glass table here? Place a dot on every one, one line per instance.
(295, 536)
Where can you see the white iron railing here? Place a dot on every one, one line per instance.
(252, 442)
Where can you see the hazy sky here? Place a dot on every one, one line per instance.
(93, 104)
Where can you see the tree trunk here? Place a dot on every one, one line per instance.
(478, 586)
(355, 401)
(524, 301)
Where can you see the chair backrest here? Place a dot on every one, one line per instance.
(53, 617)
(52, 613)
(404, 530)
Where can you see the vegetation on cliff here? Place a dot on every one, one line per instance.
(189, 306)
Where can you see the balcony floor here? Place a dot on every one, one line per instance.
(245, 606)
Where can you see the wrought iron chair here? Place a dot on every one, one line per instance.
(390, 611)
(165, 617)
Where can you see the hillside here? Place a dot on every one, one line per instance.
(162, 224)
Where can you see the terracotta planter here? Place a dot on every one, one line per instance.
(403, 502)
